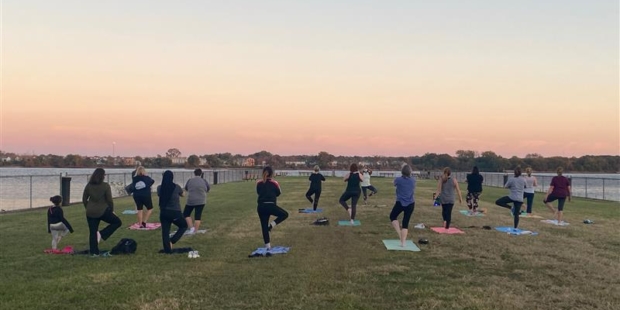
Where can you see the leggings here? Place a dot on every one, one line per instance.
(516, 210)
(372, 189)
(530, 200)
(93, 225)
(354, 196)
(187, 212)
(398, 208)
(167, 218)
(265, 210)
(58, 231)
(472, 200)
(317, 194)
(446, 213)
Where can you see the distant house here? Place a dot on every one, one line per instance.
(6, 159)
(178, 160)
(249, 162)
(295, 163)
(128, 161)
(333, 163)
(202, 161)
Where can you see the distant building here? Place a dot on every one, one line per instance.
(178, 160)
(128, 161)
(295, 163)
(202, 161)
(249, 162)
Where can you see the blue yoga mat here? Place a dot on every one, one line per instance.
(394, 245)
(348, 223)
(516, 232)
(318, 210)
(274, 250)
(130, 212)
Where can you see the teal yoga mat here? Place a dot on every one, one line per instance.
(394, 245)
(348, 223)
(466, 213)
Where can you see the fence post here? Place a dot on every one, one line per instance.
(586, 187)
(65, 190)
(603, 188)
(30, 192)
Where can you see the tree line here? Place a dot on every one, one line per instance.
(463, 160)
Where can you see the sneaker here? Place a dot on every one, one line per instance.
(106, 254)
(143, 225)
(94, 255)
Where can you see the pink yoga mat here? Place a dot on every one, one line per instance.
(149, 226)
(66, 250)
(451, 231)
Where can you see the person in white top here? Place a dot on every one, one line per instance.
(530, 187)
(366, 184)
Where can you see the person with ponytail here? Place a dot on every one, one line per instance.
(57, 224)
(268, 191)
(315, 187)
(170, 210)
(516, 186)
(530, 188)
(405, 202)
(97, 199)
(353, 191)
(448, 187)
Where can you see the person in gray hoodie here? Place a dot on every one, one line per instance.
(197, 189)
(516, 186)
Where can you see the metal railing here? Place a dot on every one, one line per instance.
(32, 191)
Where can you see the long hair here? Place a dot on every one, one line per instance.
(140, 171)
(475, 170)
(166, 189)
(446, 174)
(353, 168)
(528, 171)
(267, 173)
(97, 177)
(406, 171)
(517, 171)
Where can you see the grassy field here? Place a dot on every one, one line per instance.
(574, 267)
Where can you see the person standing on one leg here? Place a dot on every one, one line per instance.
(170, 211)
(57, 224)
(366, 184)
(516, 186)
(197, 189)
(315, 187)
(97, 199)
(405, 202)
(268, 191)
(531, 183)
(448, 187)
(559, 190)
(142, 196)
(353, 191)
(474, 189)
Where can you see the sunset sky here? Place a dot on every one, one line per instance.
(298, 77)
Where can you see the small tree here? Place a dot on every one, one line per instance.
(173, 153)
(193, 161)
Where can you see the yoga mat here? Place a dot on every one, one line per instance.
(394, 245)
(177, 251)
(555, 222)
(515, 231)
(186, 233)
(274, 250)
(318, 210)
(451, 231)
(348, 223)
(66, 250)
(532, 216)
(130, 212)
(466, 213)
(149, 226)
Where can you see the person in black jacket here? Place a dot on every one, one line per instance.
(474, 189)
(268, 190)
(142, 184)
(315, 187)
(57, 224)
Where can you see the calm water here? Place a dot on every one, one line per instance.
(22, 188)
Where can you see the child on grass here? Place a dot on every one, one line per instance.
(57, 224)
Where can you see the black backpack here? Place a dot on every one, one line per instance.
(125, 246)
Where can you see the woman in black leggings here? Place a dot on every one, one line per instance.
(353, 191)
(170, 206)
(268, 190)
